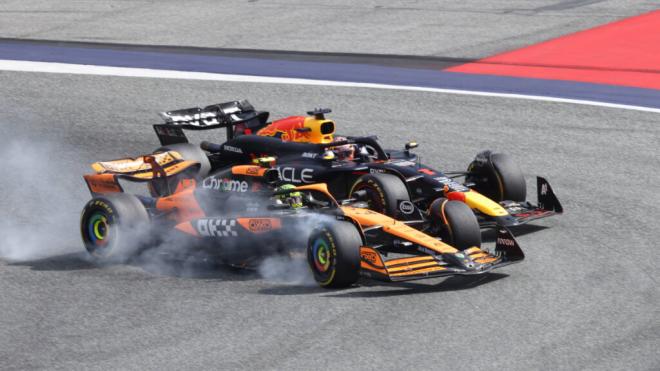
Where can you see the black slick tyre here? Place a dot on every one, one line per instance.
(114, 227)
(455, 223)
(333, 254)
(498, 177)
(384, 192)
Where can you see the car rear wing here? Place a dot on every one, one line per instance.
(156, 168)
(222, 115)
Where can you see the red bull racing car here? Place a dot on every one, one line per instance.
(307, 151)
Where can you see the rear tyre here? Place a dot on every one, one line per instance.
(114, 227)
(384, 192)
(333, 254)
(497, 177)
(456, 223)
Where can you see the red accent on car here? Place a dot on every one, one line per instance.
(456, 196)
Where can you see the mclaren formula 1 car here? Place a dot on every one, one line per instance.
(238, 216)
(397, 184)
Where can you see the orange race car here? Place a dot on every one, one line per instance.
(239, 215)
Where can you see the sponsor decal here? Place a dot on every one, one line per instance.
(104, 206)
(371, 257)
(544, 189)
(293, 175)
(505, 241)
(406, 207)
(232, 149)
(225, 184)
(196, 119)
(252, 170)
(310, 155)
(217, 227)
(426, 171)
(260, 225)
(453, 185)
(404, 163)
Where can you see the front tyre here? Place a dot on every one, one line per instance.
(384, 192)
(333, 254)
(497, 176)
(455, 223)
(114, 226)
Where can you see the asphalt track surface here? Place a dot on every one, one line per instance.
(586, 297)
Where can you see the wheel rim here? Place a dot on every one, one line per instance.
(98, 229)
(98, 232)
(321, 255)
(374, 201)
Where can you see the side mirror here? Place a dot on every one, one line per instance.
(360, 195)
(328, 156)
(265, 161)
(411, 145)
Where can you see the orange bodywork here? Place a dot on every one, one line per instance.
(248, 170)
(368, 218)
(182, 205)
(417, 272)
(371, 261)
(146, 167)
(414, 259)
(188, 228)
(102, 183)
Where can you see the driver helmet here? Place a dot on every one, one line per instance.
(345, 152)
(294, 199)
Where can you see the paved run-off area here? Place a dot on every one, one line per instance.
(585, 298)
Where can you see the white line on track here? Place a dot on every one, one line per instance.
(83, 69)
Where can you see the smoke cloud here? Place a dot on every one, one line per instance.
(42, 194)
(39, 208)
(289, 270)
